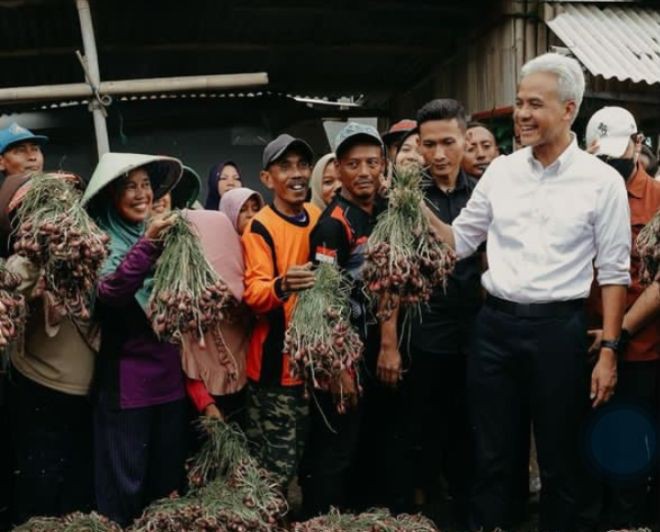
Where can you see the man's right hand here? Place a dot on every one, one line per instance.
(298, 278)
(388, 366)
(213, 411)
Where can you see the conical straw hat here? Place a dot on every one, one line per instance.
(164, 172)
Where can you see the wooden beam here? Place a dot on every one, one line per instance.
(237, 47)
(134, 86)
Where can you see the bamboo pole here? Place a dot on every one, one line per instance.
(92, 63)
(133, 86)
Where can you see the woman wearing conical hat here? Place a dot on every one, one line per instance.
(139, 393)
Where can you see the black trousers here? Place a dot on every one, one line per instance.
(519, 365)
(52, 450)
(5, 455)
(139, 456)
(433, 432)
(620, 501)
(329, 455)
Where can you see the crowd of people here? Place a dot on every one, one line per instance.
(544, 327)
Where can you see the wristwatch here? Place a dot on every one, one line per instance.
(614, 345)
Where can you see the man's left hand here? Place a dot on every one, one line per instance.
(603, 378)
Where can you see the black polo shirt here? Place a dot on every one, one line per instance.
(340, 237)
(443, 327)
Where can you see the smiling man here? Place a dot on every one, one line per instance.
(276, 253)
(550, 211)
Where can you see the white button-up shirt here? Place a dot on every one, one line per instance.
(548, 227)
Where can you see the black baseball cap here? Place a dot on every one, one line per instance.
(276, 148)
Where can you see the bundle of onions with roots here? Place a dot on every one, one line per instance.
(378, 520)
(404, 261)
(55, 233)
(75, 522)
(188, 296)
(648, 247)
(228, 490)
(12, 306)
(320, 338)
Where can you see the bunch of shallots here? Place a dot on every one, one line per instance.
(378, 520)
(228, 490)
(320, 338)
(648, 247)
(56, 234)
(75, 522)
(12, 306)
(188, 296)
(404, 261)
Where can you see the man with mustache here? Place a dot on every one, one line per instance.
(340, 238)
(276, 253)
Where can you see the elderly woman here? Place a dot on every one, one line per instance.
(324, 182)
(139, 393)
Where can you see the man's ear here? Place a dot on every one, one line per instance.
(638, 144)
(264, 176)
(570, 110)
(2, 164)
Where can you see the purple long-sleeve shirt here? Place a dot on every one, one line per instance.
(134, 368)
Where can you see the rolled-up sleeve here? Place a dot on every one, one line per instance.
(471, 226)
(613, 235)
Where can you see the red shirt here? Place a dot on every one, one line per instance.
(644, 201)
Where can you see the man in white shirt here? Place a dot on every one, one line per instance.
(550, 212)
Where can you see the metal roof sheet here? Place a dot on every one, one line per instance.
(612, 42)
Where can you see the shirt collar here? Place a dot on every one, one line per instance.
(561, 162)
(461, 182)
(636, 185)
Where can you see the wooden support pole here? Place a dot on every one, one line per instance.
(92, 63)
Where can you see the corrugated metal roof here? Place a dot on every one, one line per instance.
(613, 42)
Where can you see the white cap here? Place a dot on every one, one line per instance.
(612, 127)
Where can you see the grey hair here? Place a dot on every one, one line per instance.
(570, 78)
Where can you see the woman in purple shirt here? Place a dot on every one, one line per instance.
(139, 396)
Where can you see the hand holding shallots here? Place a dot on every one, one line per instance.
(188, 296)
(56, 234)
(404, 260)
(320, 338)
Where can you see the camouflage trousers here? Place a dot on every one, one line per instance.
(277, 428)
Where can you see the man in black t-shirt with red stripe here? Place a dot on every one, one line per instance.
(340, 238)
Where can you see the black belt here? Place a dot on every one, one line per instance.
(535, 310)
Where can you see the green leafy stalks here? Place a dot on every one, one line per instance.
(228, 490)
(56, 234)
(377, 520)
(188, 295)
(648, 247)
(75, 522)
(404, 261)
(320, 338)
